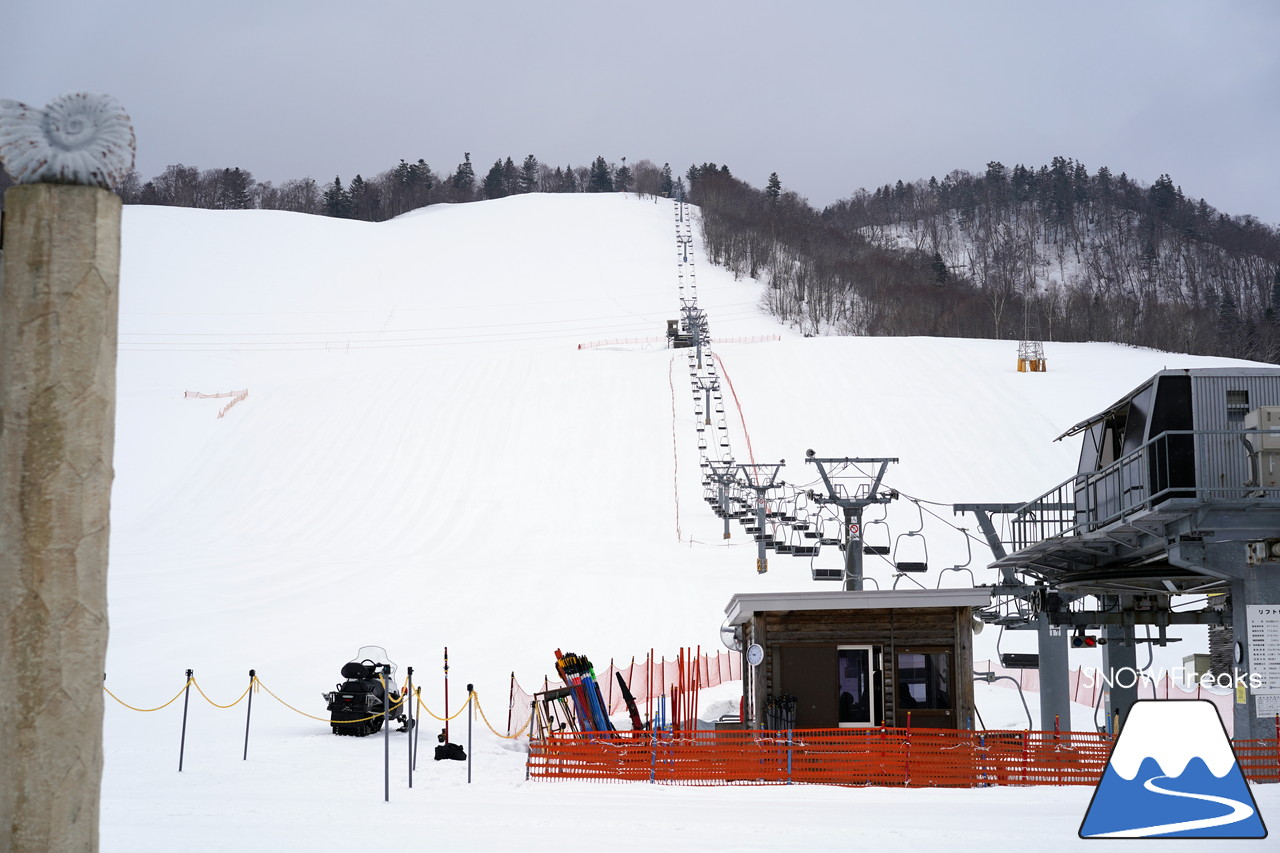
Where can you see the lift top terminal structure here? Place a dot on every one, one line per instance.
(1177, 492)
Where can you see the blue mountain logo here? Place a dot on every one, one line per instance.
(1172, 774)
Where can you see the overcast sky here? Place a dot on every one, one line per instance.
(833, 95)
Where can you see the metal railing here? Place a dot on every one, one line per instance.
(1195, 465)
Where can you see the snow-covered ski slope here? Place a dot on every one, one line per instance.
(426, 458)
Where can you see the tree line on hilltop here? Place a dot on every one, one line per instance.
(1052, 253)
(400, 189)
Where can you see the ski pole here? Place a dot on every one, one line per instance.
(186, 698)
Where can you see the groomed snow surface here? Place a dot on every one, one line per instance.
(426, 459)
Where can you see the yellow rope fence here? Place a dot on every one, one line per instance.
(256, 684)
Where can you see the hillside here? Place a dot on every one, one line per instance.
(1053, 253)
(421, 421)
(426, 458)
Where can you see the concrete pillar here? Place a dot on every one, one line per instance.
(58, 323)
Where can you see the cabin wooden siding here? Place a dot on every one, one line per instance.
(895, 630)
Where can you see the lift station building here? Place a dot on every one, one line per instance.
(851, 659)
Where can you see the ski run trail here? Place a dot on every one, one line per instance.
(463, 428)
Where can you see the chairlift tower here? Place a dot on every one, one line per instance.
(754, 476)
(695, 320)
(708, 384)
(724, 475)
(684, 240)
(852, 506)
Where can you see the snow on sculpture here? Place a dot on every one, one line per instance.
(79, 138)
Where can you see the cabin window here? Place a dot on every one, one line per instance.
(1237, 408)
(924, 680)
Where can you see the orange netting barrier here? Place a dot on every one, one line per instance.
(1259, 759)
(647, 680)
(877, 756)
(236, 397)
(751, 339)
(890, 757)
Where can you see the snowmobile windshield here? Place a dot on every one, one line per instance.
(375, 654)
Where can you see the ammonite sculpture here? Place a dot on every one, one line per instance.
(79, 138)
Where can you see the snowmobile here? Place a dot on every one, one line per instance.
(359, 705)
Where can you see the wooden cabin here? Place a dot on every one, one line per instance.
(850, 659)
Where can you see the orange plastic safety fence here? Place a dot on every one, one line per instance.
(647, 680)
(1259, 759)
(885, 757)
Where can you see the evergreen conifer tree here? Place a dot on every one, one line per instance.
(464, 179)
(337, 202)
(773, 189)
(668, 185)
(622, 178)
(495, 184)
(529, 174)
(600, 180)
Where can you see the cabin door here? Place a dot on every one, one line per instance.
(859, 680)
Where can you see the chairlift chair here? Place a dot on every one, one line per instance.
(802, 541)
(913, 566)
(964, 567)
(827, 573)
(800, 513)
(785, 545)
(878, 550)
(825, 535)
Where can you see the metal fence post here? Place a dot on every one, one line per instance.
(247, 715)
(408, 700)
(186, 699)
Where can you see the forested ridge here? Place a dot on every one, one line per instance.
(1052, 253)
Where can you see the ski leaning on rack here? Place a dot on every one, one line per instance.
(636, 723)
(576, 671)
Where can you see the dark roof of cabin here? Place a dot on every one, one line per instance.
(745, 604)
(1124, 401)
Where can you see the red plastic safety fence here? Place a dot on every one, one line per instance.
(1259, 759)
(647, 680)
(876, 756)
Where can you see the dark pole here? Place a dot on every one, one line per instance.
(247, 715)
(386, 741)
(471, 695)
(186, 698)
(511, 695)
(446, 694)
(408, 698)
(417, 698)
